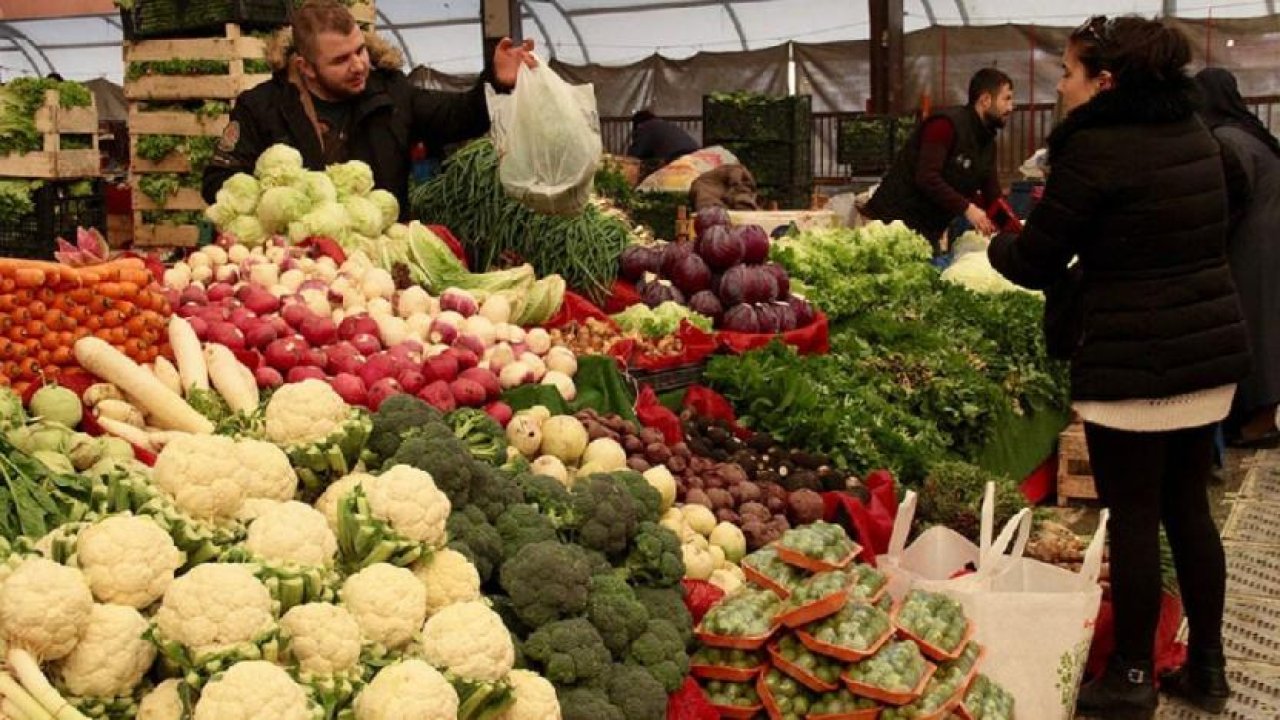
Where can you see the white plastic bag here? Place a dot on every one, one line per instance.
(547, 134)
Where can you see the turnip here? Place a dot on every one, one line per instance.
(515, 374)
(381, 390)
(317, 301)
(268, 377)
(467, 393)
(499, 356)
(391, 329)
(304, 372)
(379, 306)
(292, 279)
(319, 331)
(563, 384)
(176, 279)
(264, 274)
(536, 366)
(561, 359)
(419, 325)
(443, 330)
(459, 301)
(471, 343)
(237, 253)
(367, 344)
(260, 334)
(284, 354)
(201, 274)
(193, 294)
(353, 325)
(497, 309)
(485, 379)
(224, 333)
(413, 300)
(479, 326)
(198, 259)
(259, 300)
(217, 255)
(506, 332)
(499, 411)
(441, 367)
(377, 283)
(220, 291)
(538, 340)
(227, 274)
(438, 396)
(411, 379)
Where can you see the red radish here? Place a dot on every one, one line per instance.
(499, 411)
(225, 333)
(319, 331)
(260, 334)
(443, 332)
(317, 356)
(379, 366)
(304, 372)
(350, 388)
(441, 367)
(346, 362)
(470, 342)
(320, 285)
(200, 325)
(406, 354)
(466, 358)
(354, 325)
(381, 390)
(188, 311)
(367, 344)
(260, 300)
(280, 326)
(193, 294)
(459, 301)
(286, 353)
(220, 291)
(251, 359)
(467, 393)
(173, 296)
(295, 314)
(411, 379)
(268, 377)
(240, 316)
(485, 379)
(438, 396)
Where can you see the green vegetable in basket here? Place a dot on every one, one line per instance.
(856, 627)
(933, 618)
(988, 701)
(732, 694)
(661, 321)
(867, 581)
(766, 562)
(840, 702)
(823, 541)
(791, 698)
(726, 657)
(897, 668)
(747, 612)
(819, 666)
(818, 587)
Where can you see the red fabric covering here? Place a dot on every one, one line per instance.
(325, 247)
(690, 703)
(1042, 481)
(697, 344)
(1169, 653)
(872, 521)
(622, 296)
(577, 309)
(699, 596)
(708, 403)
(654, 414)
(813, 339)
(443, 233)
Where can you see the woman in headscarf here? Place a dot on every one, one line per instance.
(1254, 251)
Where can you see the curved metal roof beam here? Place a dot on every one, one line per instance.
(929, 14)
(13, 32)
(408, 54)
(573, 28)
(18, 46)
(533, 15)
(964, 12)
(737, 24)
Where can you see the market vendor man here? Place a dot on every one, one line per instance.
(948, 166)
(338, 94)
(658, 142)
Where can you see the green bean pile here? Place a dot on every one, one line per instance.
(468, 199)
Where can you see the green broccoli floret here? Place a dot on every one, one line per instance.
(636, 693)
(492, 490)
(552, 498)
(568, 652)
(613, 609)
(506, 610)
(471, 534)
(522, 525)
(656, 559)
(606, 514)
(660, 649)
(587, 704)
(483, 436)
(434, 449)
(396, 417)
(648, 499)
(548, 581)
(668, 603)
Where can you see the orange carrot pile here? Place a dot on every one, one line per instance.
(45, 307)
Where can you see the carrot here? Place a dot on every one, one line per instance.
(29, 277)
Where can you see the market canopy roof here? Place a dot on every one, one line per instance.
(80, 39)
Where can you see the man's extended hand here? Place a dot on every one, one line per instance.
(508, 57)
(979, 220)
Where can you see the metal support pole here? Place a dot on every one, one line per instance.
(498, 19)
(886, 47)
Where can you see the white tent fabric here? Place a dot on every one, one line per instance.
(445, 36)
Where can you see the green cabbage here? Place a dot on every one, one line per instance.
(240, 193)
(247, 230)
(351, 178)
(220, 214)
(318, 187)
(327, 220)
(363, 216)
(280, 206)
(280, 165)
(387, 204)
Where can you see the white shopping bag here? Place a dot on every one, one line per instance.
(547, 134)
(1035, 620)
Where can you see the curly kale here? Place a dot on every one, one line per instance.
(587, 704)
(668, 603)
(656, 559)
(471, 534)
(483, 436)
(648, 499)
(660, 649)
(493, 490)
(522, 525)
(568, 652)
(434, 449)
(548, 581)
(552, 498)
(606, 514)
(636, 693)
(613, 609)
(397, 416)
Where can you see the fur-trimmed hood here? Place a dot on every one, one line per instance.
(382, 55)
(1142, 104)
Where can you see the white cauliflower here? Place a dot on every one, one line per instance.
(449, 578)
(269, 475)
(112, 656)
(470, 640)
(408, 499)
(215, 607)
(304, 412)
(253, 690)
(324, 639)
(163, 702)
(407, 689)
(388, 602)
(201, 474)
(45, 607)
(127, 560)
(535, 698)
(292, 533)
(251, 508)
(332, 496)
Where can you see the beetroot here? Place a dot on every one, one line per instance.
(636, 260)
(690, 274)
(381, 390)
(485, 379)
(747, 284)
(367, 344)
(350, 388)
(193, 294)
(709, 217)
(411, 380)
(467, 393)
(441, 367)
(198, 324)
(780, 278)
(218, 292)
(343, 358)
(466, 358)
(379, 365)
(755, 243)
(741, 318)
(803, 310)
(656, 293)
(720, 248)
(706, 303)
(259, 300)
(226, 334)
(260, 334)
(295, 313)
(438, 396)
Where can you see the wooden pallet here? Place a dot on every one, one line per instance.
(233, 48)
(164, 236)
(52, 162)
(1075, 475)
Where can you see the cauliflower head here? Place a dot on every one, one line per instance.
(45, 607)
(535, 698)
(407, 689)
(324, 639)
(253, 690)
(128, 560)
(449, 578)
(214, 607)
(292, 533)
(112, 656)
(388, 602)
(331, 498)
(304, 412)
(268, 474)
(251, 508)
(202, 475)
(469, 639)
(163, 702)
(408, 499)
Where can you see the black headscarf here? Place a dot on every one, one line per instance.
(1223, 105)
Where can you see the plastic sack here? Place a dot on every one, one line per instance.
(678, 175)
(547, 134)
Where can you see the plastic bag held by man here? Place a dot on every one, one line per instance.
(547, 133)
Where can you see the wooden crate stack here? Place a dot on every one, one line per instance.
(1075, 475)
(52, 162)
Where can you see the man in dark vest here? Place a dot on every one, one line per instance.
(947, 163)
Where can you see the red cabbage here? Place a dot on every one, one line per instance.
(767, 318)
(636, 260)
(786, 317)
(780, 277)
(720, 248)
(802, 309)
(672, 254)
(656, 293)
(709, 217)
(690, 274)
(747, 284)
(741, 318)
(755, 243)
(706, 303)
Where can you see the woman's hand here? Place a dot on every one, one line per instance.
(507, 59)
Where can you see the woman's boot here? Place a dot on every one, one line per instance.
(1125, 691)
(1202, 681)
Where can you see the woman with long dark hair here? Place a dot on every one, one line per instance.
(1151, 322)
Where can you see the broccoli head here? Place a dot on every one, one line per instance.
(482, 435)
(648, 499)
(396, 417)
(636, 693)
(492, 490)
(522, 525)
(568, 652)
(656, 559)
(668, 603)
(605, 512)
(587, 704)
(660, 649)
(471, 534)
(548, 581)
(616, 613)
(550, 496)
(433, 448)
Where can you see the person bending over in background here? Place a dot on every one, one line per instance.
(658, 142)
(947, 167)
(1157, 342)
(1254, 251)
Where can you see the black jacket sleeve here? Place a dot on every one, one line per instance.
(1073, 194)
(238, 148)
(1239, 182)
(443, 118)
